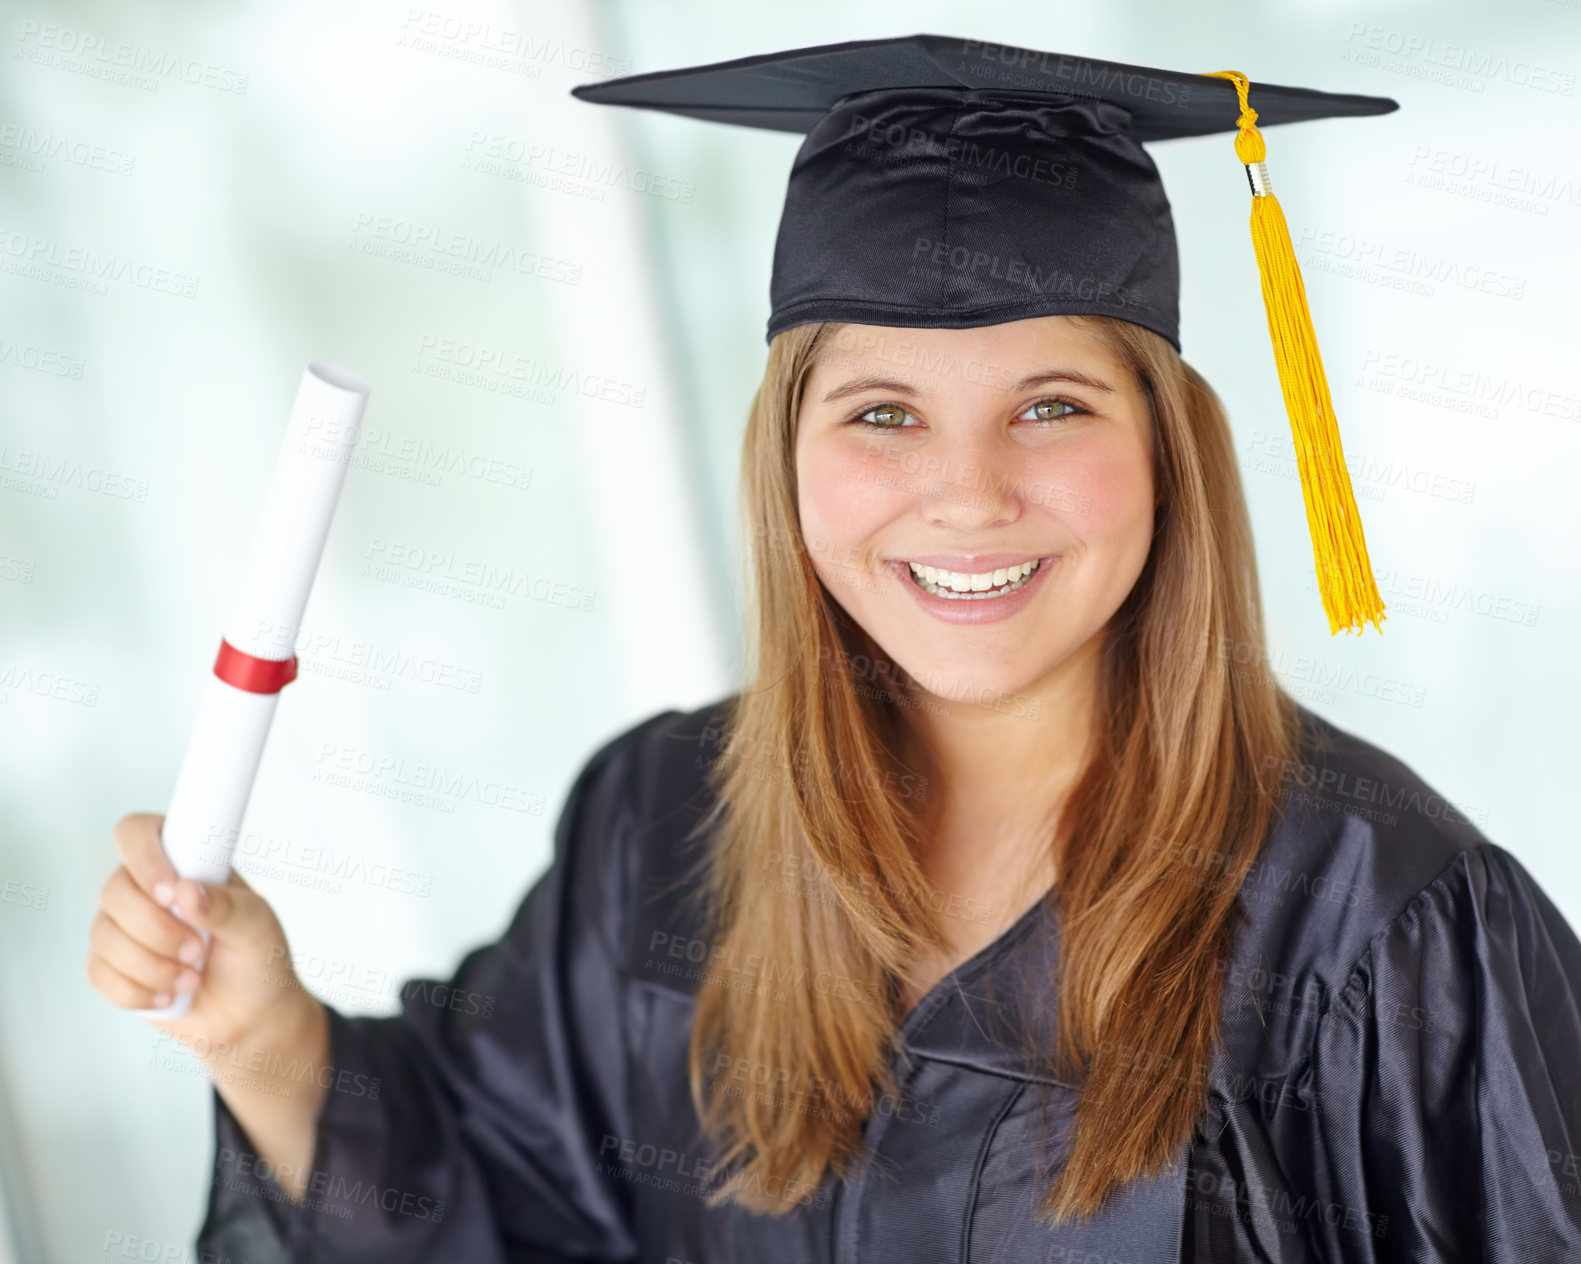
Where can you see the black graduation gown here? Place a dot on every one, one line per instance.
(1400, 1075)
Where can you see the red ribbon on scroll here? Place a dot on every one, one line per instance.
(256, 675)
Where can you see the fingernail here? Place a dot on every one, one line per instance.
(190, 951)
(164, 893)
(161, 1000)
(186, 982)
(203, 897)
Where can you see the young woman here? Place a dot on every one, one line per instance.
(1010, 911)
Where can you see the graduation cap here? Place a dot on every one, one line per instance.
(953, 183)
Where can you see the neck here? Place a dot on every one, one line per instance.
(1012, 749)
(1000, 772)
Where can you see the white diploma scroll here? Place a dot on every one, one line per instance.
(257, 656)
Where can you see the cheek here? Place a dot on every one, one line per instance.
(1109, 489)
(844, 495)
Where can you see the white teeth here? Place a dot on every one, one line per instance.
(992, 583)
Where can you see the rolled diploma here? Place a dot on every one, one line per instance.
(205, 814)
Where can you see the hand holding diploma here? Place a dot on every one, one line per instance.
(145, 956)
(262, 1037)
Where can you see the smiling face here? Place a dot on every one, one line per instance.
(972, 451)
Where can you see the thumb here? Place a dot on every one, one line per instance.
(231, 911)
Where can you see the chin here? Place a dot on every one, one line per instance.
(957, 681)
(990, 679)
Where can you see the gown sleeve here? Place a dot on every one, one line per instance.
(1439, 1117)
(467, 1127)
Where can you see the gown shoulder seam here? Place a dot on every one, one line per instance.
(1353, 988)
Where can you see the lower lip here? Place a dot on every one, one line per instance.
(981, 610)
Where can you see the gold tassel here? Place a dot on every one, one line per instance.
(1350, 596)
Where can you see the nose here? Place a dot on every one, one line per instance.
(972, 481)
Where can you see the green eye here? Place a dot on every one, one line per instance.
(889, 417)
(1051, 410)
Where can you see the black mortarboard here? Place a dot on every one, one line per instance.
(950, 183)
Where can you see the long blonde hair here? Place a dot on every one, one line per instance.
(814, 874)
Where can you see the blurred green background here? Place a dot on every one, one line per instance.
(196, 201)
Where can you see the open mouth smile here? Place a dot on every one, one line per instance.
(972, 586)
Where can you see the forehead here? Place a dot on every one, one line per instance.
(986, 357)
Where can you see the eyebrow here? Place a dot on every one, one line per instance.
(874, 383)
